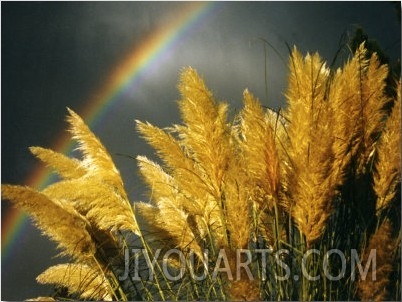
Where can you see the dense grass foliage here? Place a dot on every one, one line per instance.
(302, 204)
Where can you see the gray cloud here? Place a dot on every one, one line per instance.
(57, 54)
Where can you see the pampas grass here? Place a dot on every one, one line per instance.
(310, 173)
(66, 167)
(384, 245)
(322, 175)
(60, 221)
(388, 165)
(82, 279)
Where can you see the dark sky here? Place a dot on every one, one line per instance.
(57, 54)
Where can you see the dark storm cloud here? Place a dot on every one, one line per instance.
(57, 54)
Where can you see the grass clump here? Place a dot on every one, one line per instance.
(274, 206)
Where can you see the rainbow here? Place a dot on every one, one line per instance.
(140, 59)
